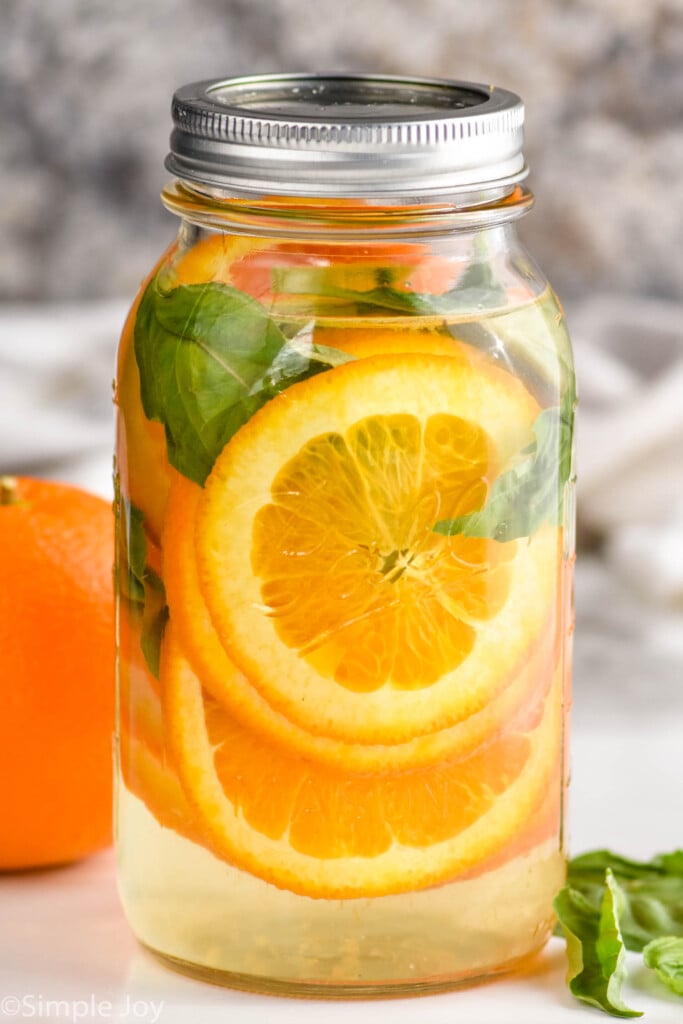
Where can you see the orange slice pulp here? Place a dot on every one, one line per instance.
(327, 585)
(231, 688)
(325, 832)
(146, 764)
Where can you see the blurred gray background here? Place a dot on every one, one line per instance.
(85, 90)
(86, 87)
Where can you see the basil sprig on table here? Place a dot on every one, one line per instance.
(665, 956)
(611, 904)
(209, 357)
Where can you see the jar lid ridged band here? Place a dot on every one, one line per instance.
(346, 135)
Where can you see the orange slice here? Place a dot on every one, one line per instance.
(231, 688)
(310, 268)
(253, 264)
(215, 257)
(146, 766)
(373, 340)
(326, 583)
(325, 832)
(156, 784)
(139, 705)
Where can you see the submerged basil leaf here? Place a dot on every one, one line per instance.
(595, 949)
(154, 619)
(476, 288)
(532, 492)
(665, 956)
(139, 584)
(209, 357)
(136, 547)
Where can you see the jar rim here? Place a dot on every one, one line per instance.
(347, 135)
(349, 219)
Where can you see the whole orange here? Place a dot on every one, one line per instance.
(56, 673)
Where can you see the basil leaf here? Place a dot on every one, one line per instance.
(665, 956)
(476, 288)
(532, 492)
(591, 866)
(209, 357)
(315, 283)
(136, 546)
(140, 585)
(670, 863)
(653, 892)
(595, 949)
(131, 547)
(154, 619)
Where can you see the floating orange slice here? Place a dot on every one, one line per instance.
(139, 704)
(146, 766)
(326, 832)
(231, 688)
(325, 581)
(216, 257)
(153, 781)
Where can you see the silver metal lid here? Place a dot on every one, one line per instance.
(346, 135)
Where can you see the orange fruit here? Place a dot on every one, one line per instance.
(57, 670)
(231, 688)
(325, 832)
(327, 585)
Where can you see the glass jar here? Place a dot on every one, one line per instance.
(345, 502)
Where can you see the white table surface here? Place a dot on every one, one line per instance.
(63, 936)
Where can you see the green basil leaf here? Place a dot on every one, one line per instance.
(138, 583)
(595, 949)
(670, 863)
(532, 492)
(154, 619)
(592, 866)
(653, 892)
(209, 357)
(131, 547)
(477, 288)
(665, 956)
(136, 542)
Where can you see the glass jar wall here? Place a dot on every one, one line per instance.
(345, 546)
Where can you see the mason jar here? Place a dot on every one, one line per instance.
(344, 482)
